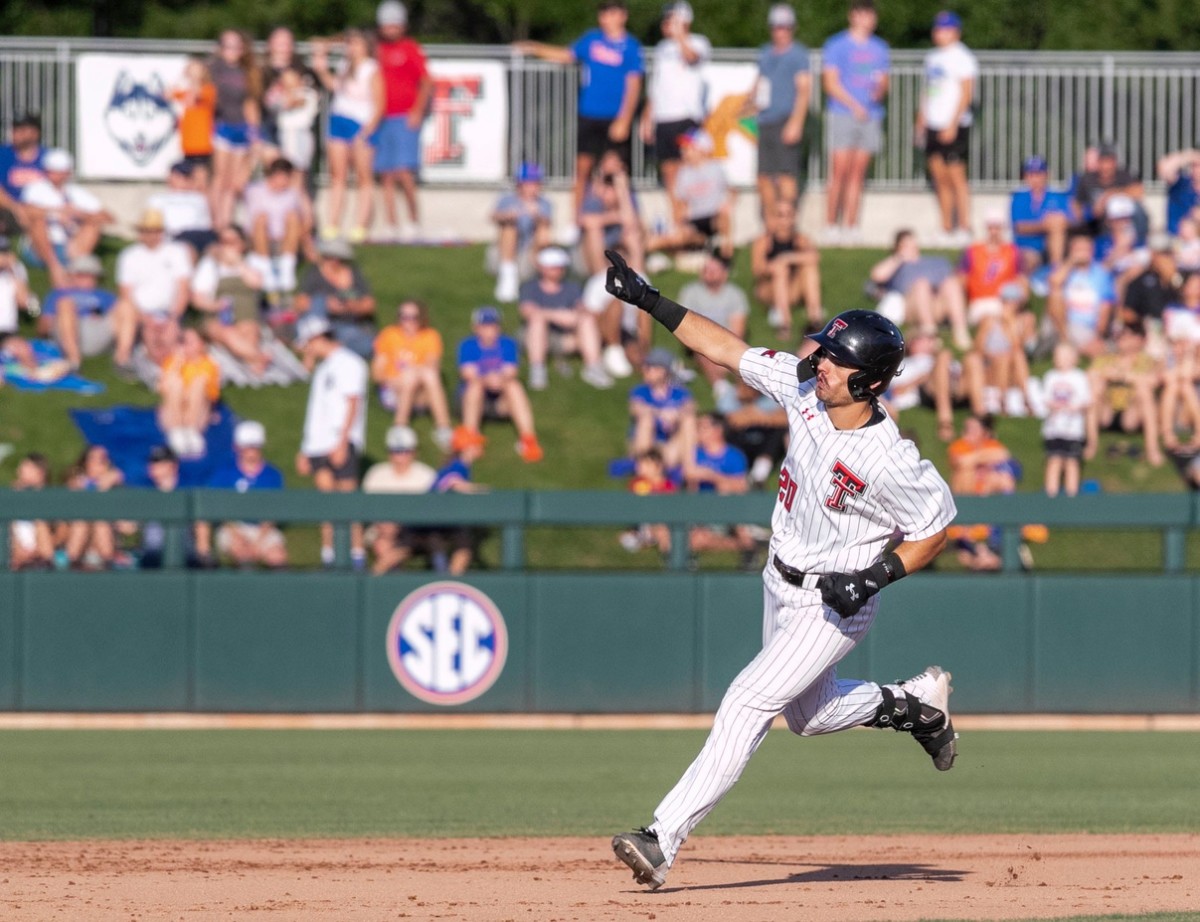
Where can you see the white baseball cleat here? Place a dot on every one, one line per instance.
(932, 728)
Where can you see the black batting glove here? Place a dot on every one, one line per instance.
(846, 593)
(624, 283)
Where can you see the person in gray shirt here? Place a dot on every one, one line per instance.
(718, 299)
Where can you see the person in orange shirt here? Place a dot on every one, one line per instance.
(189, 386)
(407, 366)
(196, 96)
(986, 267)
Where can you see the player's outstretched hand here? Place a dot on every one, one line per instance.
(625, 283)
(846, 593)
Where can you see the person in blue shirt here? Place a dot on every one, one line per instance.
(249, 544)
(1040, 217)
(663, 412)
(1082, 297)
(854, 74)
(452, 548)
(490, 386)
(610, 83)
(522, 217)
(718, 467)
(1180, 172)
(79, 316)
(780, 98)
(20, 164)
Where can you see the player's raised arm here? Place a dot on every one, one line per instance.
(698, 333)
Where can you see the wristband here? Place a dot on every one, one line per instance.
(887, 571)
(667, 312)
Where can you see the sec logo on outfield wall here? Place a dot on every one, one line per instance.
(446, 643)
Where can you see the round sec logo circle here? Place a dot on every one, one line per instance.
(447, 643)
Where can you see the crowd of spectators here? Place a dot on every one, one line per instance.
(233, 265)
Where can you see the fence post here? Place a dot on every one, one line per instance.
(1174, 549)
(1010, 536)
(4, 530)
(1108, 101)
(63, 55)
(679, 546)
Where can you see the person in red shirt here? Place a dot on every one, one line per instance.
(407, 88)
(988, 266)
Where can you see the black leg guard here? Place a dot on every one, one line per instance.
(929, 726)
(898, 713)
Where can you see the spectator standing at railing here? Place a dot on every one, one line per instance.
(238, 117)
(1040, 217)
(79, 315)
(286, 80)
(335, 423)
(354, 115)
(780, 98)
(248, 544)
(407, 90)
(610, 84)
(855, 65)
(675, 95)
(522, 218)
(195, 95)
(20, 165)
(944, 124)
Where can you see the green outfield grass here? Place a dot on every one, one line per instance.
(219, 784)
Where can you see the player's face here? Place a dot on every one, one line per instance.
(833, 387)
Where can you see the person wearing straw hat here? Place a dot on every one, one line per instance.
(153, 285)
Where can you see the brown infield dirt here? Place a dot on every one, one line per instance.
(762, 878)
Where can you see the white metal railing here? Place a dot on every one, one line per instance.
(1051, 103)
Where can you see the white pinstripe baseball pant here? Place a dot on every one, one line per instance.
(794, 674)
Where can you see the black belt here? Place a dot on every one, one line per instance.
(794, 576)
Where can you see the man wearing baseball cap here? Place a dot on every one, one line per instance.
(53, 239)
(1040, 217)
(610, 84)
(944, 123)
(675, 96)
(392, 542)
(249, 544)
(523, 217)
(78, 315)
(780, 98)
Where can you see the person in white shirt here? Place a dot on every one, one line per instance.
(14, 289)
(185, 210)
(675, 97)
(354, 114)
(65, 220)
(1068, 396)
(944, 121)
(335, 423)
(153, 277)
(401, 473)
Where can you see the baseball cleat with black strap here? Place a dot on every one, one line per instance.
(641, 852)
(923, 711)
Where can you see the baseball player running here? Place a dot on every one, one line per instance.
(858, 509)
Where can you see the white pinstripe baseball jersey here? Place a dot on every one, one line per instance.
(844, 495)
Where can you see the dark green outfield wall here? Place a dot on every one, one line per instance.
(586, 642)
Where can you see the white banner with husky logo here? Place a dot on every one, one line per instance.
(126, 125)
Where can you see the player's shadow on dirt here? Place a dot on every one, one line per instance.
(836, 873)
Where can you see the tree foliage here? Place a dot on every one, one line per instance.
(1135, 25)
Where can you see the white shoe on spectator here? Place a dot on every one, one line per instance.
(538, 377)
(724, 396)
(962, 238)
(443, 437)
(682, 373)
(409, 233)
(1014, 402)
(852, 236)
(177, 441)
(196, 445)
(616, 363)
(658, 262)
(508, 283)
(1036, 396)
(597, 377)
(831, 236)
(991, 400)
(761, 469)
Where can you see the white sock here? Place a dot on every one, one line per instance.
(262, 265)
(287, 272)
(326, 555)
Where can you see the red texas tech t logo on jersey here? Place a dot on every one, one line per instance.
(845, 483)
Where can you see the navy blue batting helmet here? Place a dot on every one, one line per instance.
(865, 340)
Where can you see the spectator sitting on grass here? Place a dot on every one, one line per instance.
(758, 427)
(20, 165)
(490, 385)
(63, 219)
(153, 284)
(278, 220)
(408, 367)
(79, 315)
(335, 424)
(189, 387)
(986, 267)
(392, 542)
(1081, 298)
(91, 545)
(249, 544)
(522, 218)
(787, 270)
(1040, 217)
(718, 467)
(14, 289)
(924, 290)
(552, 304)
(703, 201)
(609, 216)
(980, 465)
(1000, 347)
(1149, 292)
(451, 549)
(934, 378)
(663, 412)
(1179, 402)
(1097, 186)
(715, 297)
(1124, 382)
(226, 289)
(185, 210)
(31, 543)
(336, 289)
(649, 479)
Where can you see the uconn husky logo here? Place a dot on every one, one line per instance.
(139, 117)
(447, 643)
